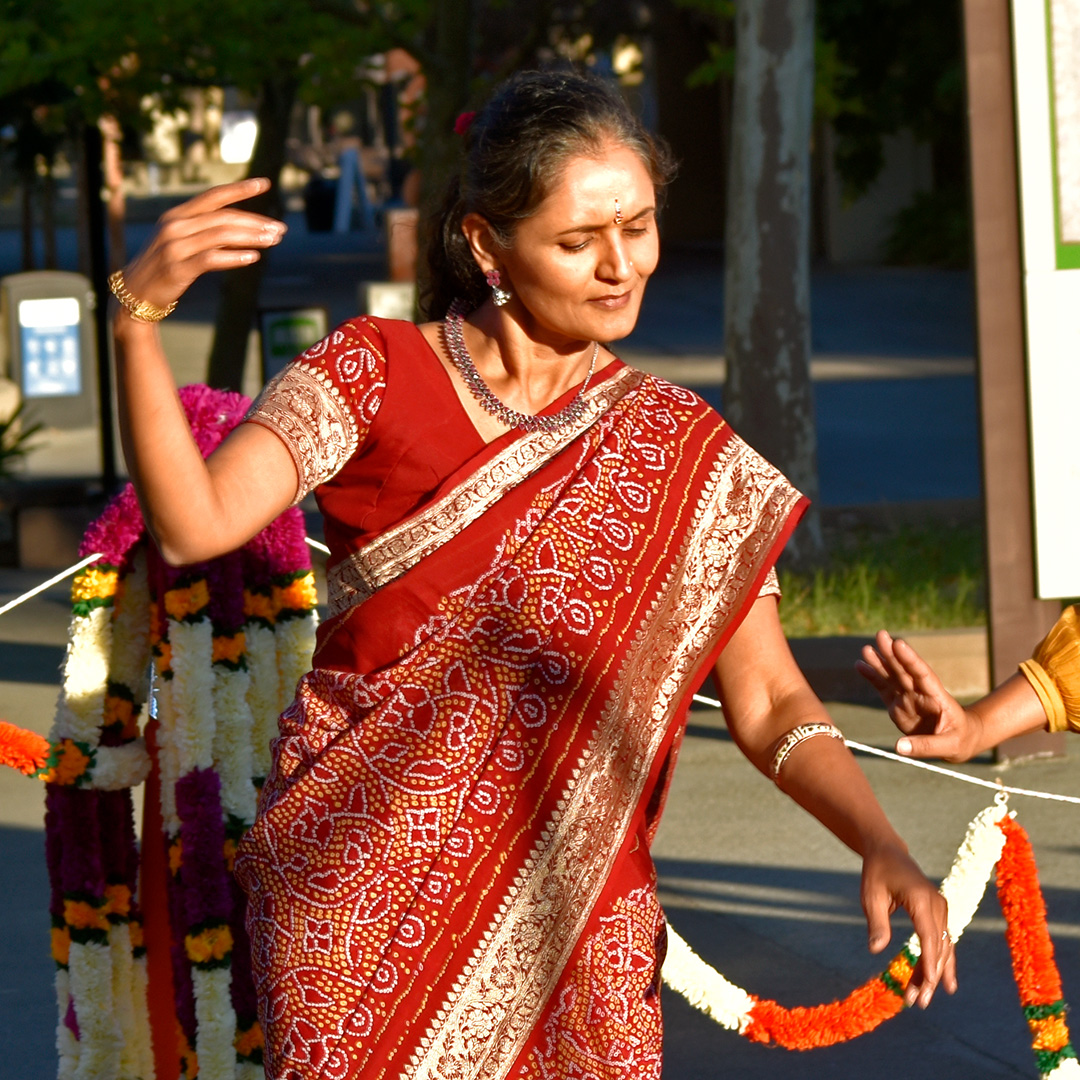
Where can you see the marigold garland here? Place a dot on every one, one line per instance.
(131, 611)
(23, 750)
(992, 838)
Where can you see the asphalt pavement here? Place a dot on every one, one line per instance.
(753, 884)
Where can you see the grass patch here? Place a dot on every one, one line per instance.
(903, 580)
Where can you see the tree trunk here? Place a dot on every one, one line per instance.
(116, 208)
(768, 396)
(239, 296)
(48, 218)
(448, 70)
(27, 180)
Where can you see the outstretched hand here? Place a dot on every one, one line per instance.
(933, 722)
(891, 879)
(205, 233)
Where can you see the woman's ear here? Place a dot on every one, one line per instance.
(481, 241)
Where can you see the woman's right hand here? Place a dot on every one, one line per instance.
(205, 233)
(933, 722)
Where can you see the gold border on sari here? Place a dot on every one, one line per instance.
(504, 988)
(356, 577)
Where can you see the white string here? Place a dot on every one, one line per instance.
(71, 570)
(994, 786)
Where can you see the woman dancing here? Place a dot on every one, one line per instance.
(537, 554)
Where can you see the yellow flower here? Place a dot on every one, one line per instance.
(189, 1060)
(163, 656)
(179, 603)
(214, 943)
(1050, 1033)
(93, 584)
(230, 853)
(80, 915)
(119, 900)
(300, 595)
(61, 944)
(258, 605)
(135, 931)
(901, 970)
(176, 853)
(71, 763)
(119, 710)
(229, 648)
(247, 1042)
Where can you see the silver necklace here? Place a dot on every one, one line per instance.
(459, 354)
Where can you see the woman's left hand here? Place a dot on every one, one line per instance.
(891, 879)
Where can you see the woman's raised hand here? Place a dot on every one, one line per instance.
(891, 879)
(205, 233)
(933, 722)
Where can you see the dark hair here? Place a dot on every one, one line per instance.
(514, 151)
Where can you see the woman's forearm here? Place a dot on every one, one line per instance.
(194, 509)
(820, 774)
(165, 465)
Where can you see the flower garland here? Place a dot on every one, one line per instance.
(1032, 952)
(191, 626)
(992, 838)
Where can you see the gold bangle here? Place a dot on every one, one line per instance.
(139, 310)
(796, 736)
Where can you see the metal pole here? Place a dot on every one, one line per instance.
(99, 274)
(1017, 619)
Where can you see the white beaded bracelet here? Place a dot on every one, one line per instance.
(796, 736)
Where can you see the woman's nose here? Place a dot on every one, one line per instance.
(616, 264)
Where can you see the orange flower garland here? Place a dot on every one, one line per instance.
(1032, 951)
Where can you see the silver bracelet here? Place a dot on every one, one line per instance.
(796, 736)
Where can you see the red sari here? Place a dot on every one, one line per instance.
(449, 875)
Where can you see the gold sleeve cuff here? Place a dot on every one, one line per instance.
(1044, 686)
(1054, 672)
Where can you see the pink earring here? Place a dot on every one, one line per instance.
(499, 296)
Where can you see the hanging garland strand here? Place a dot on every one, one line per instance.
(992, 838)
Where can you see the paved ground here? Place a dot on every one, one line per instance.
(752, 883)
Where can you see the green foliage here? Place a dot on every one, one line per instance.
(935, 230)
(15, 440)
(902, 67)
(909, 579)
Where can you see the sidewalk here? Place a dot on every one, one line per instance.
(754, 885)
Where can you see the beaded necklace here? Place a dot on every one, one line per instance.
(459, 354)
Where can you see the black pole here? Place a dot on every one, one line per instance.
(99, 278)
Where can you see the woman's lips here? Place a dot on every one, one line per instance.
(613, 303)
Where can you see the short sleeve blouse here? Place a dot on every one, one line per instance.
(322, 405)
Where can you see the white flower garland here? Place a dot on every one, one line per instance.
(730, 1005)
(100, 1039)
(232, 742)
(262, 693)
(193, 694)
(216, 1023)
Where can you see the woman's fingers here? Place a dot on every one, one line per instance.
(894, 667)
(216, 198)
(944, 745)
(870, 667)
(181, 252)
(931, 924)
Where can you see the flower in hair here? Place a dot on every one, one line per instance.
(464, 122)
